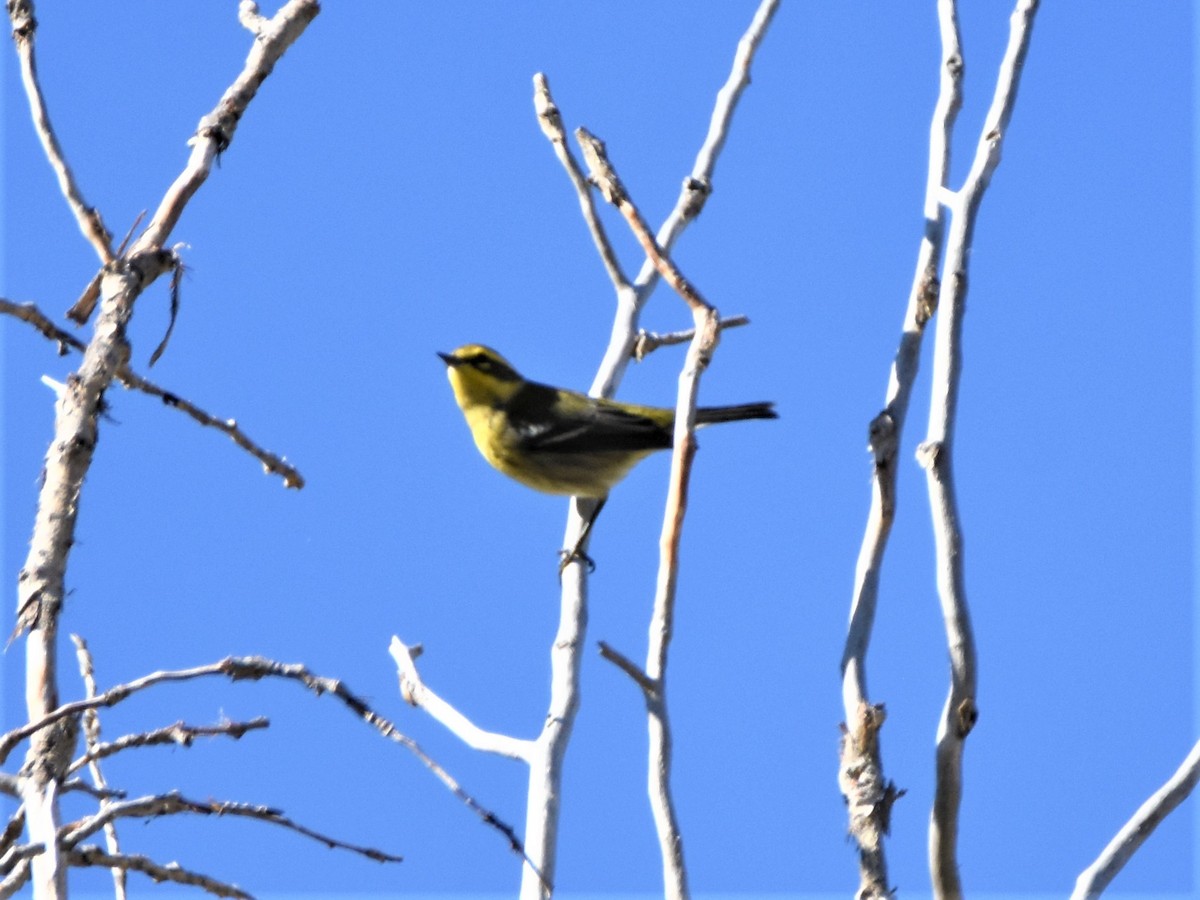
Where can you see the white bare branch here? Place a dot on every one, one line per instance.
(418, 694)
(869, 795)
(24, 29)
(69, 458)
(1096, 877)
(566, 653)
(272, 463)
(174, 803)
(173, 873)
(91, 731)
(936, 456)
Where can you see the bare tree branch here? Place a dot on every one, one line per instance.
(550, 120)
(91, 855)
(868, 793)
(417, 693)
(936, 456)
(272, 463)
(566, 652)
(173, 803)
(24, 29)
(703, 344)
(91, 731)
(179, 734)
(1096, 877)
(649, 341)
(77, 411)
(605, 177)
(628, 666)
(254, 668)
(12, 831)
(19, 874)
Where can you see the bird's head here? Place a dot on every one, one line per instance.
(480, 376)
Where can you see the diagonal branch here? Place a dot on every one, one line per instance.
(272, 463)
(174, 803)
(417, 693)
(1096, 877)
(550, 120)
(255, 668)
(180, 734)
(24, 29)
(91, 855)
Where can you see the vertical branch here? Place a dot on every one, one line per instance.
(91, 731)
(548, 756)
(869, 795)
(40, 589)
(662, 619)
(936, 456)
(546, 766)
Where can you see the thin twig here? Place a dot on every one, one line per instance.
(1096, 877)
(15, 880)
(12, 830)
(649, 341)
(255, 668)
(605, 177)
(550, 121)
(171, 872)
(698, 185)
(24, 29)
(628, 666)
(180, 734)
(936, 456)
(272, 38)
(174, 803)
(91, 731)
(272, 463)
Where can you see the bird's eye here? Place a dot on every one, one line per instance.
(482, 363)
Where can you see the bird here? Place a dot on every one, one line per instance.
(559, 441)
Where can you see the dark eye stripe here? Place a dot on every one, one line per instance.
(485, 363)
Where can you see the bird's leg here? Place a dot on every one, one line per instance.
(576, 552)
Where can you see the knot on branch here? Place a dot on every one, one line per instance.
(600, 169)
(881, 439)
(868, 794)
(696, 193)
(931, 455)
(548, 115)
(20, 13)
(927, 299)
(213, 128)
(967, 715)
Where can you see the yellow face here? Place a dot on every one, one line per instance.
(480, 376)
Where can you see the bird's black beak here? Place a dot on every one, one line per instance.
(450, 359)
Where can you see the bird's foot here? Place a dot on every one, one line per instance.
(575, 555)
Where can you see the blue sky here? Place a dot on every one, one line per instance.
(389, 195)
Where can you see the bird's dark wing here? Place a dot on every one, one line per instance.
(587, 426)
